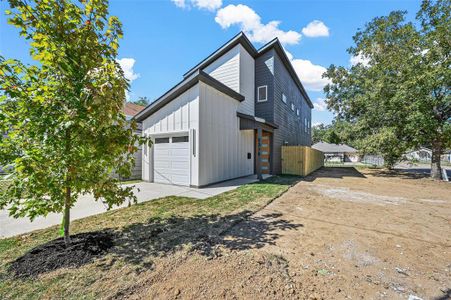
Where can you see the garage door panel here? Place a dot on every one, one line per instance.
(171, 163)
(162, 164)
(179, 152)
(161, 179)
(180, 165)
(180, 180)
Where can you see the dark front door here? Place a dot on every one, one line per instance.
(265, 151)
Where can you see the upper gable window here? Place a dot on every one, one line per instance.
(284, 98)
(262, 93)
(292, 106)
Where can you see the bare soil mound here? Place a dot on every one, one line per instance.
(84, 247)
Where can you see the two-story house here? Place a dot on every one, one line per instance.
(227, 118)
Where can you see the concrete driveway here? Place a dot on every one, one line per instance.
(87, 206)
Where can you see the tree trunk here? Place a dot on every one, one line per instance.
(67, 198)
(436, 168)
(66, 218)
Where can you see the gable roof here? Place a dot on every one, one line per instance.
(277, 46)
(326, 147)
(196, 74)
(131, 109)
(183, 86)
(242, 39)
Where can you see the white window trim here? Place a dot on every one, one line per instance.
(293, 107)
(258, 93)
(297, 112)
(284, 98)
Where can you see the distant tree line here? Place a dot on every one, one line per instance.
(398, 96)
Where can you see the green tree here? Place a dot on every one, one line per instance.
(63, 132)
(336, 133)
(318, 132)
(399, 96)
(143, 101)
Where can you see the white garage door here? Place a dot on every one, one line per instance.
(171, 160)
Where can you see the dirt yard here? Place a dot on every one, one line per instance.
(339, 234)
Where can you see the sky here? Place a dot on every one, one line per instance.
(165, 38)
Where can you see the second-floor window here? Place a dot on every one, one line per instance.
(292, 106)
(297, 112)
(284, 98)
(262, 93)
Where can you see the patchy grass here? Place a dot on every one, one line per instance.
(183, 223)
(3, 184)
(132, 181)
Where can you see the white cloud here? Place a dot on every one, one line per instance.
(316, 124)
(127, 66)
(250, 23)
(359, 59)
(310, 74)
(316, 28)
(210, 5)
(320, 104)
(179, 3)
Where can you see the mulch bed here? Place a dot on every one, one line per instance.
(83, 249)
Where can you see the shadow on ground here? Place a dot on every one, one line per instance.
(334, 172)
(446, 295)
(403, 173)
(207, 235)
(139, 243)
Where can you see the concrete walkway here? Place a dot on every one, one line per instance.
(87, 206)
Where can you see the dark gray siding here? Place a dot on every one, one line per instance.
(291, 128)
(264, 75)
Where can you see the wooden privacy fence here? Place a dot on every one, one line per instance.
(301, 160)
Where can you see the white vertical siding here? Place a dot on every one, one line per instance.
(179, 115)
(247, 82)
(223, 146)
(226, 69)
(236, 69)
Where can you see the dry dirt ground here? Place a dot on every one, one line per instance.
(338, 234)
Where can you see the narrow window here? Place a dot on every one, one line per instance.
(262, 92)
(292, 106)
(284, 98)
(162, 140)
(180, 139)
(297, 112)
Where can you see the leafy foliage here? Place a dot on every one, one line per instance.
(63, 128)
(143, 101)
(336, 133)
(399, 98)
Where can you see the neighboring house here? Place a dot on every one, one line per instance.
(130, 110)
(227, 118)
(337, 152)
(421, 154)
(446, 156)
(424, 154)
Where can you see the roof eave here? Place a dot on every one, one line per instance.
(182, 87)
(275, 43)
(240, 38)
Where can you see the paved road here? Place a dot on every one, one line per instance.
(422, 169)
(87, 206)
